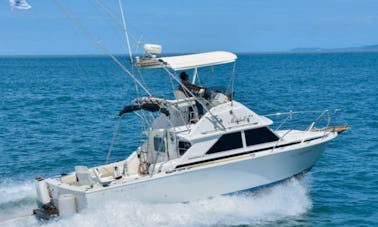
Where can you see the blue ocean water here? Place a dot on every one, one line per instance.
(59, 112)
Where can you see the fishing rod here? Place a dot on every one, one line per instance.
(100, 46)
(125, 31)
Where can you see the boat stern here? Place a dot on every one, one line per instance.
(55, 198)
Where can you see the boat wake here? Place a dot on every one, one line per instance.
(274, 204)
(16, 198)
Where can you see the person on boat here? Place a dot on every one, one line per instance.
(196, 90)
(206, 93)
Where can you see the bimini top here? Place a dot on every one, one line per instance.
(190, 61)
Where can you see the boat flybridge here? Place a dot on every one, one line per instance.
(189, 154)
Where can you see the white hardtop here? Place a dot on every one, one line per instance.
(190, 61)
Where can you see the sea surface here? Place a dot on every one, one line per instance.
(59, 112)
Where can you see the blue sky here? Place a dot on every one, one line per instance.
(187, 26)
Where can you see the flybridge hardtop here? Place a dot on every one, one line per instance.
(189, 139)
(189, 61)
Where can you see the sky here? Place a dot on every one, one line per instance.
(61, 27)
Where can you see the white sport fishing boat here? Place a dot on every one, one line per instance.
(189, 154)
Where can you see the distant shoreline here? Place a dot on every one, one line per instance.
(310, 52)
(325, 51)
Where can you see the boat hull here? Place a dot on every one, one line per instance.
(216, 179)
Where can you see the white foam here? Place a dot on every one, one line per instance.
(11, 191)
(16, 199)
(21, 221)
(271, 204)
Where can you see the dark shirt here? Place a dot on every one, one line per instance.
(191, 87)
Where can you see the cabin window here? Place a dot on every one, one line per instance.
(227, 142)
(259, 135)
(183, 146)
(159, 144)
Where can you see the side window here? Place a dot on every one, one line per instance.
(259, 135)
(159, 144)
(227, 142)
(183, 146)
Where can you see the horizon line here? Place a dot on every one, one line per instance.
(320, 51)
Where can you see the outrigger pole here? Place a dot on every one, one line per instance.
(125, 30)
(98, 44)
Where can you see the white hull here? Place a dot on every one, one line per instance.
(221, 179)
(208, 180)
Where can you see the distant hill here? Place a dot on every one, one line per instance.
(347, 49)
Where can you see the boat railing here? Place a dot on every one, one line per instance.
(320, 123)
